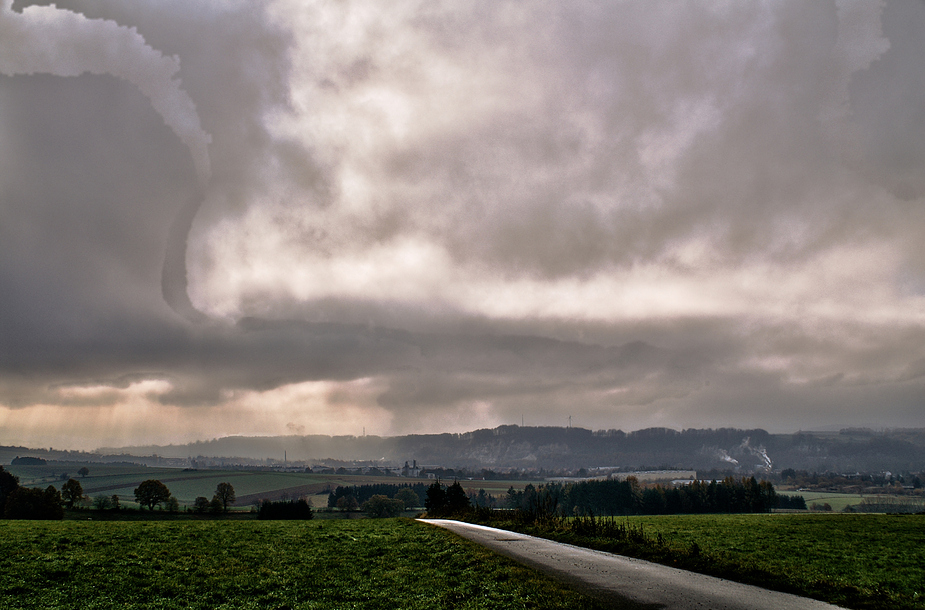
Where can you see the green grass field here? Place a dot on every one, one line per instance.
(867, 561)
(858, 561)
(258, 564)
(870, 561)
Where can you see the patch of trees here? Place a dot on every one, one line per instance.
(224, 495)
(284, 509)
(380, 506)
(27, 503)
(889, 483)
(628, 497)
(408, 498)
(104, 502)
(482, 499)
(201, 505)
(443, 501)
(351, 497)
(791, 502)
(888, 504)
(33, 503)
(411, 495)
(28, 461)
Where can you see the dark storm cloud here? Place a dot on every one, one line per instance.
(565, 142)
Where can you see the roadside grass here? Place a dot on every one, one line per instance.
(389, 563)
(865, 561)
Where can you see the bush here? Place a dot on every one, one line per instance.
(380, 506)
(348, 503)
(408, 497)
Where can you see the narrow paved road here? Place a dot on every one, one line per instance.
(626, 583)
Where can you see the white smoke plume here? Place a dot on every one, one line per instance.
(724, 456)
(758, 451)
(49, 40)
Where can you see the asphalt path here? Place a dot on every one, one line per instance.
(624, 582)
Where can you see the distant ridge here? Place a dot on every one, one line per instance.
(512, 446)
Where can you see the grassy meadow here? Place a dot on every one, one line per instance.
(865, 561)
(860, 561)
(869, 561)
(389, 563)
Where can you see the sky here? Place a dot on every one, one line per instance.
(226, 217)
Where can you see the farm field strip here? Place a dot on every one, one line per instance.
(244, 484)
(187, 485)
(838, 501)
(52, 472)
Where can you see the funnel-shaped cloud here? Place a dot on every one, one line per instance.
(49, 40)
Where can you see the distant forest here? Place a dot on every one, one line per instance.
(554, 449)
(611, 498)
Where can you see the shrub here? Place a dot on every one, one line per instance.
(381, 506)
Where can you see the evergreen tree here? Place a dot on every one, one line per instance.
(436, 501)
(457, 500)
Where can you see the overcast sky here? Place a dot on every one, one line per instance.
(284, 217)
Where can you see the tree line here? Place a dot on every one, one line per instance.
(285, 509)
(628, 497)
(351, 497)
(609, 497)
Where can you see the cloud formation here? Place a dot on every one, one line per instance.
(444, 216)
(49, 40)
